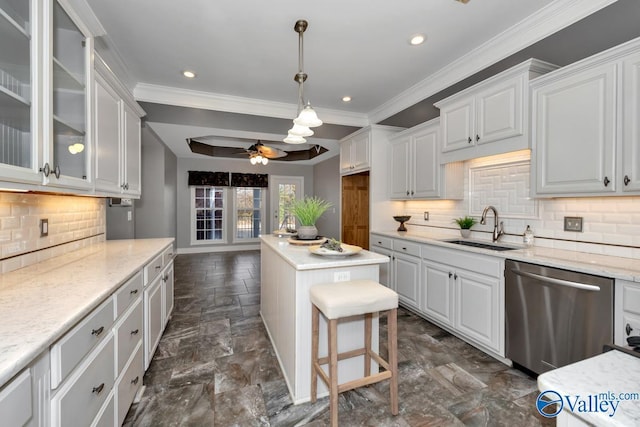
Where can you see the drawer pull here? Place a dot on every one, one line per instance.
(98, 331)
(135, 332)
(133, 292)
(135, 380)
(379, 242)
(158, 267)
(626, 180)
(404, 249)
(628, 329)
(98, 389)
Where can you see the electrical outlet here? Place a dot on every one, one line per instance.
(129, 215)
(426, 216)
(341, 276)
(573, 223)
(44, 227)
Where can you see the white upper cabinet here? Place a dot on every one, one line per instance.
(416, 171)
(68, 77)
(631, 124)
(489, 117)
(117, 136)
(355, 153)
(585, 137)
(19, 151)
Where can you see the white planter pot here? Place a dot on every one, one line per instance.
(465, 232)
(307, 232)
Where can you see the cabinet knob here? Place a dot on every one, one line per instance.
(626, 180)
(450, 274)
(628, 329)
(46, 170)
(56, 171)
(98, 389)
(606, 181)
(407, 192)
(412, 192)
(469, 140)
(455, 277)
(477, 137)
(98, 331)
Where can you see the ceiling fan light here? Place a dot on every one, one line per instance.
(294, 139)
(308, 117)
(253, 160)
(265, 161)
(299, 130)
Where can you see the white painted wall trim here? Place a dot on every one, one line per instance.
(236, 104)
(548, 20)
(220, 248)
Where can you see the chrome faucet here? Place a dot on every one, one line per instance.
(497, 231)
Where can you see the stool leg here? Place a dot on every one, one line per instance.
(333, 371)
(315, 336)
(392, 331)
(367, 344)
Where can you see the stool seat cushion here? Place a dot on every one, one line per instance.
(351, 298)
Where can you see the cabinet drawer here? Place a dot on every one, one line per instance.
(15, 400)
(479, 263)
(631, 298)
(383, 242)
(73, 346)
(128, 293)
(107, 415)
(129, 334)
(167, 255)
(129, 384)
(410, 248)
(152, 270)
(79, 400)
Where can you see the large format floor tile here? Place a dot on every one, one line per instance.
(215, 366)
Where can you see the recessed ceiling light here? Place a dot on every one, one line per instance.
(189, 74)
(346, 98)
(417, 39)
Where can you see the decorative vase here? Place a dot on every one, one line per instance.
(465, 232)
(307, 232)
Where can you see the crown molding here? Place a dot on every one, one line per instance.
(548, 20)
(235, 104)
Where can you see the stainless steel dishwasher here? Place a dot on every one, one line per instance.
(555, 317)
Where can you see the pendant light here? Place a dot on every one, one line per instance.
(307, 117)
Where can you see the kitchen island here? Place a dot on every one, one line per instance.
(287, 273)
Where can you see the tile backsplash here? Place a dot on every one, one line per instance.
(611, 225)
(73, 222)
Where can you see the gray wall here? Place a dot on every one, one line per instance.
(326, 185)
(155, 212)
(118, 225)
(227, 165)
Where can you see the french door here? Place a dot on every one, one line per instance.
(283, 191)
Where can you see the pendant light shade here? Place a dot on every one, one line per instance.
(308, 117)
(294, 139)
(300, 130)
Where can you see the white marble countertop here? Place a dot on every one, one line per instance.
(38, 304)
(300, 258)
(601, 265)
(613, 372)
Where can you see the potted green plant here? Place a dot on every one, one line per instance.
(465, 224)
(307, 210)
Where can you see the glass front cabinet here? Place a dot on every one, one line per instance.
(47, 89)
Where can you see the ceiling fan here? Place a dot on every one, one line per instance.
(256, 149)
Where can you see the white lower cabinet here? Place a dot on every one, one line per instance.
(129, 383)
(477, 308)
(626, 311)
(16, 406)
(406, 272)
(153, 325)
(167, 293)
(437, 297)
(106, 416)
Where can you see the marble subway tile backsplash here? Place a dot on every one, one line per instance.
(611, 225)
(74, 222)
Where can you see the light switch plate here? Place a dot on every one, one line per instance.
(573, 223)
(426, 216)
(44, 227)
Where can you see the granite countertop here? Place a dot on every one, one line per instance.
(300, 258)
(611, 373)
(40, 303)
(601, 265)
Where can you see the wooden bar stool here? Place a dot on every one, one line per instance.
(345, 299)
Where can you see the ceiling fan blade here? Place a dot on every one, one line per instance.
(270, 152)
(215, 151)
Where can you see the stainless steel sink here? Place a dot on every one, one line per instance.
(481, 245)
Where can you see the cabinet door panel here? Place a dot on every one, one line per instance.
(631, 124)
(167, 278)
(457, 125)
(360, 151)
(386, 270)
(476, 308)
(500, 112)
(425, 164)
(132, 151)
(437, 291)
(400, 169)
(406, 271)
(345, 156)
(107, 138)
(153, 325)
(575, 122)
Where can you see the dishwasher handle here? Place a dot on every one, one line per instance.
(560, 282)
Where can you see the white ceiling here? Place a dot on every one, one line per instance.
(245, 53)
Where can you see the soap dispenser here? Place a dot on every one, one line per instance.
(527, 237)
